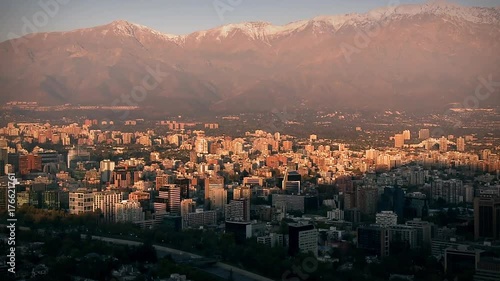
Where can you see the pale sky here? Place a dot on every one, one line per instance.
(176, 16)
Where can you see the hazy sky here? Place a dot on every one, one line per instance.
(176, 16)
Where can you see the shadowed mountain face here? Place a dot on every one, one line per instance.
(408, 58)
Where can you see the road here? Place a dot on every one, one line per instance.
(219, 269)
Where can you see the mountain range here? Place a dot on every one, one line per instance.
(409, 57)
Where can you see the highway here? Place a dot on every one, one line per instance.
(219, 269)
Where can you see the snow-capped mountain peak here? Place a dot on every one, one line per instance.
(265, 30)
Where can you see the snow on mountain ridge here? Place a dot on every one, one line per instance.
(258, 30)
(266, 30)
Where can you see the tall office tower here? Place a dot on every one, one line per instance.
(406, 134)
(174, 199)
(461, 144)
(218, 200)
(238, 210)
(424, 134)
(399, 141)
(393, 199)
(106, 168)
(128, 211)
(487, 217)
(367, 200)
(374, 240)
(183, 184)
(105, 202)
(386, 218)
(443, 144)
(302, 238)
(211, 183)
(81, 201)
(161, 201)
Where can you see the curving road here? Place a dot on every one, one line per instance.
(220, 269)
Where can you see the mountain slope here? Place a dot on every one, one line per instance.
(405, 57)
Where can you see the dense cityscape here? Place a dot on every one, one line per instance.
(416, 207)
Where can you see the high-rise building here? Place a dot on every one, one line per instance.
(242, 192)
(238, 210)
(174, 199)
(75, 155)
(291, 202)
(443, 144)
(452, 191)
(302, 238)
(287, 145)
(367, 200)
(403, 233)
(386, 218)
(29, 162)
(106, 168)
(105, 202)
(487, 217)
(424, 232)
(211, 183)
(424, 134)
(125, 176)
(460, 144)
(393, 199)
(81, 202)
(291, 182)
(187, 206)
(201, 145)
(161, 181)
(406, 135)
(372, 154)
(128, 211)
(218, 200)
(399, 140)
(200, 218)
(374, 240)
